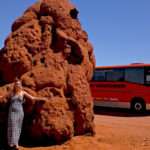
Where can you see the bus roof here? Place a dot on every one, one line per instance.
(133, 65)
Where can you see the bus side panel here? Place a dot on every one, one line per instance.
(118, 93)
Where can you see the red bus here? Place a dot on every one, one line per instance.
(122, 86)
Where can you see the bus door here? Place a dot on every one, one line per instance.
(108, 87)
(147, 75)
(114, 86)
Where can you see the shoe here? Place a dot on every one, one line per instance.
(16, 147)
(13, 148)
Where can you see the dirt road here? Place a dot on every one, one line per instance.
(123, 130)
(115, 130)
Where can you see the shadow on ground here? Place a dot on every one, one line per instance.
(120, 112)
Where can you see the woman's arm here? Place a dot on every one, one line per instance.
(33, 97)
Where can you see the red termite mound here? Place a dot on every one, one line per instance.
(50, 52)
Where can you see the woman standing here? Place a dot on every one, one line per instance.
(16, 113)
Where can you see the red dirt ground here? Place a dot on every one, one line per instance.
(115, 130)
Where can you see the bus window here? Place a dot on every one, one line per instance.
(99, 75)
(135, 75)
(115, 75)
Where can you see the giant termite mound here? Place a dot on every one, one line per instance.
(50, 52)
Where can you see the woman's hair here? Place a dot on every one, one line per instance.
(17, 85)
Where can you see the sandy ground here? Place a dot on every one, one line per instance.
(115, 130)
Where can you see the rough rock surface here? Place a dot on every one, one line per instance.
(50, 52)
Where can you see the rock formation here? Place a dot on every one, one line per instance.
(50, 52)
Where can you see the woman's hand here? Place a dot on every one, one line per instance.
(1, 97)
(43, 98)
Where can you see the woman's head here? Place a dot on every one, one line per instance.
(17, 85)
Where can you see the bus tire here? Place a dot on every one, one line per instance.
(138, 105)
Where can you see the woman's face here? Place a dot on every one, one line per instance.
(18, 85)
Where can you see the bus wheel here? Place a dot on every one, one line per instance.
(138, 105)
